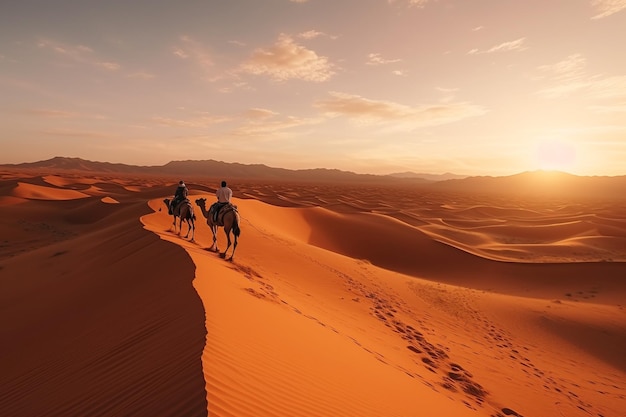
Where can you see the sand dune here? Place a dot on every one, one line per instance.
(341, 300)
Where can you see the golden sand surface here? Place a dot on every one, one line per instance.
(341, 300)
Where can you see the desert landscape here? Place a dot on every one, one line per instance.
(387, 298)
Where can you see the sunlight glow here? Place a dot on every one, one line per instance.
(556, 155)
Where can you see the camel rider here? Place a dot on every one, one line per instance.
(179, 195)
(223, 195)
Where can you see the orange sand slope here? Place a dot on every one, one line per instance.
(337, 303)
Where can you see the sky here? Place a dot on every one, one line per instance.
(472, 87)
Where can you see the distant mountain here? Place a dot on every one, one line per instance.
(544, 184)
(76, 164)
(201, 168)
(429, 177)
(211, 168)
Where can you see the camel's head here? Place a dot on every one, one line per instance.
(201, 202)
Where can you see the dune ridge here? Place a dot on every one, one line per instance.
(340, 301)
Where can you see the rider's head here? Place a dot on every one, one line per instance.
(223, 183)
(181, 182)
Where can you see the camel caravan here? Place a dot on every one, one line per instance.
(222, 213)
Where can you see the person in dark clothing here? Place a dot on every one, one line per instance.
(179, 195)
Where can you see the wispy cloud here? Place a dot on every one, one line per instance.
(312, 34)
(516, 45)
(78, 53)
(412, 3)
(190, 49)
(199, 120)
(569, 76)
(260, 122)
(258, 113)
(370, 111)
(570, 69)
(111, 66)
(142, 75)
(51, 113)
(606, 8)
(287, 60)
(400, 73)
(377, 59)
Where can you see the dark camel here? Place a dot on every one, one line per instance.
(184, 211)
(229, 220)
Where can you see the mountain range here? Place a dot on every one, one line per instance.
(213, 168)
(531, 183)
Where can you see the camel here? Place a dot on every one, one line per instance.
(229, 220)
(184, 211)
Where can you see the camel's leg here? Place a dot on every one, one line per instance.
(192, 228)
(232, 255)
(180, 226)
(228, 242)
(188, 229)
(214, 246)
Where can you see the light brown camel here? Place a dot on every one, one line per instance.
(184, 211)
(229, 220)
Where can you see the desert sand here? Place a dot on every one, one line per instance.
(341, 300)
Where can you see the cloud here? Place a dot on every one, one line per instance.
(571, 68)
(257, 113)
(377, 59)
(269, 124)
(202, 120)
(412, 3)
(516, 45)
(400, 73)
(287, 60)
(312, 34)
(78, 53)
(142, 75)
(192, 49)
(369, 111)
(111, 66)
(51, 113)
(569, 77)
(606, 8)
(180, 53)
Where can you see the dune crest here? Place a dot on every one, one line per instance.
(38, 192)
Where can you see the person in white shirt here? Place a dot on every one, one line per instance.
(223, 194)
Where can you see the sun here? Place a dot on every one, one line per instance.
(555, 155)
